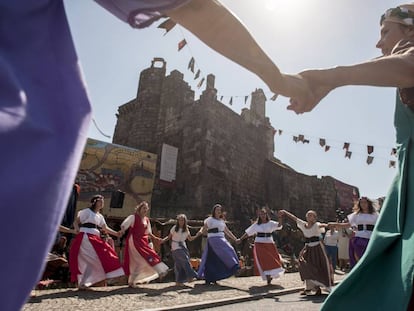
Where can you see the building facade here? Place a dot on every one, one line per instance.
(223, 157)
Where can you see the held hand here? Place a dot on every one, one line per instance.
(319, 86)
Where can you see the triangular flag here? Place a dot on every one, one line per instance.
(200, 83)
(370, 159)
(197, 74)
(181, 44)
(245, 99)
(280, 132)
(322, 142)
(348, 154)
(273, 98)
(231, 101)
(392, 164)
(346, 146)
(191, 64)
(327, 148)
(167, 25)
(370, 149)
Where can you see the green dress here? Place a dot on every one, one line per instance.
(382, 280)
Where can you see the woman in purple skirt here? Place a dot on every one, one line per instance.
(362, 221)
(219, 260)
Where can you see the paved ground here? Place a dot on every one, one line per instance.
(164, 296)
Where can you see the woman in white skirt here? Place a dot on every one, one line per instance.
(141, 263)
(91, 259)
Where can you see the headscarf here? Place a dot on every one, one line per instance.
(403, 14)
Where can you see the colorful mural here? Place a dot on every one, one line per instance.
(107, 168)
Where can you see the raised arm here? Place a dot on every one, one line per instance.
(288, 214)
(395, 70)
(222, 31)
(342, 225)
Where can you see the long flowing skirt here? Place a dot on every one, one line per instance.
(267, 260)
(140, 270)
(388, 261)
(93, 260)
(314, 266)
(219, 260)
(357, 247)
(182, 267)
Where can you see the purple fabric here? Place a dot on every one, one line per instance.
(219, 260)
(140, 13)
(44, 117)
(357, 247)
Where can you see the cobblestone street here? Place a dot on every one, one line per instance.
(161, 296)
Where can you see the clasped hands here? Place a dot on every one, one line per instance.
(305, 89)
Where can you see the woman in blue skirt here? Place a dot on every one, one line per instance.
(219, 260)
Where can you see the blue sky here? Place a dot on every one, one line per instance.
(297, 35)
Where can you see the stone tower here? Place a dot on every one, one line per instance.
(223, 157)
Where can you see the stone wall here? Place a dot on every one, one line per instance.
(223, 157)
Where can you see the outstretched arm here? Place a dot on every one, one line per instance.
(109, 230)
(230, 234)
(342, 225)
(395, 70)
(222, 31)
(244, 236)
(202, 230)
(288, 214)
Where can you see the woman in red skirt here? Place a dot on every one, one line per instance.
(266, 257)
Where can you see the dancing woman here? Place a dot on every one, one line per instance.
(362, 221)
(313, 262)
(141, 263)
(179, 233)
(219, 260)
(266, 256)
(91, 259)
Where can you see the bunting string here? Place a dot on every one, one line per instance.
(347, 147)
(326, 144)
(99, 130)
(167, 25)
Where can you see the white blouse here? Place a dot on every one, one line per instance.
(88, 216)
(356, 219)
(211, 223)
(267, 227)
(315, 230)
(178, 237)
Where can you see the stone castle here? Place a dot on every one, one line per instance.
(223, 157)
